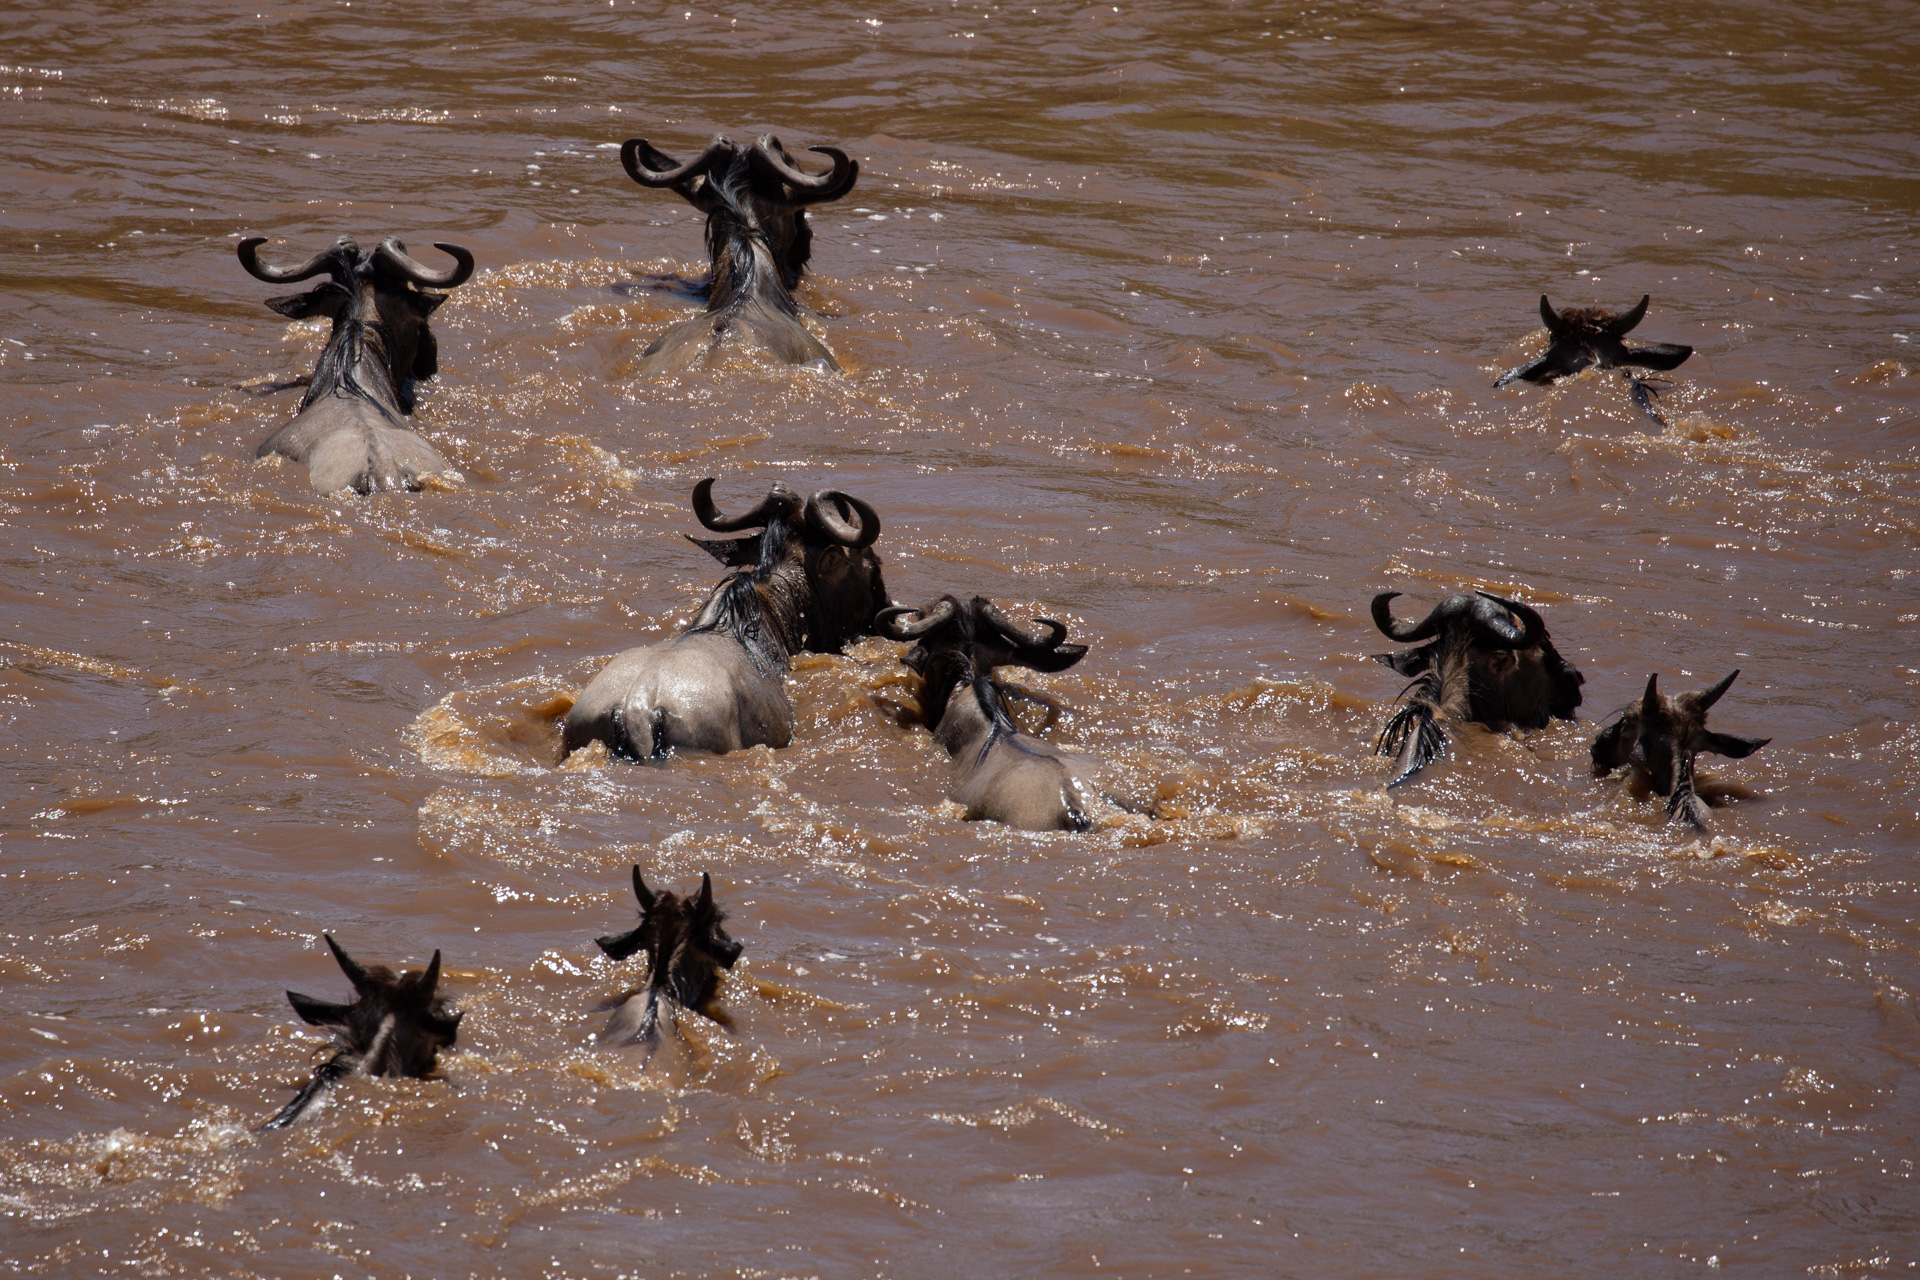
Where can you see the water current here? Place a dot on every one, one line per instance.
(1176, 322)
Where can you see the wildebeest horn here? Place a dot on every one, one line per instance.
(1405, 632)
(431, 978)
(640, 891)
(1710, 696)
(823, 515)
(1625, 323)
(1531, 631)
(1555, 325)
(704, 509)
(704, 902)
(1050, 637)
(356, 973)
(884, 621)
(249, 251)
(394, 255)
(637, 156)
(1650, 700)
(808, 187)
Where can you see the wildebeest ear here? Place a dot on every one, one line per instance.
(1613, 746)
(621, 945)
(1659, 356)
(1408, 662)
(1730, 745)
(322, 300)
(728, 953)
(427, 302)
(320, 1013)
(735, 553)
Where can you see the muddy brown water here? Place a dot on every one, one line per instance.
(1176, 322)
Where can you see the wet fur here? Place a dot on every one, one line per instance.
(687, 951)
(1589, 337)
(1657, 739)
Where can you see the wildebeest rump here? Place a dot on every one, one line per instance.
(1658, 737)
(758, 240)
(395, 1026)
(1479, 665)
(687, 950)
(351, 431)
(1000, 773)
(808, 580)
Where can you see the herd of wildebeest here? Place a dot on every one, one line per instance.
(802, 575)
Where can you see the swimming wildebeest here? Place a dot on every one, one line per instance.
(808, 581)
(1001, 774)
(1480, 664)
(351, 430)
(1584, 337)
(1657, 739)
(396, 1026)
(755, 199)
(686, 951)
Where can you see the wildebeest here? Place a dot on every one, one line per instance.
(755, 199)
(1001, 774)
(808, 581)
(1480, 664)
(351, 430)
(1658, 737)
(1584, 337)
(686, 951)
(396, 1026)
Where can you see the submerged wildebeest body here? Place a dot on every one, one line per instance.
(1657, 739)
(808, 581)
(351, 431)
(758, 240)
(687, 950)
(1001, 774)
(1589, 337)
(395, 1026)
(1479, 665)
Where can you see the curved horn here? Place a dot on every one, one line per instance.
(249, 252)
(1555, 325)
(636, 155)
(394, 255)
(1404, 632)
(703, 508)
(1625, 323)
(646, 896)
(930, 619)
(822, 515)
(1531, 631)
(808, 187)
(431, 978)
(1710, 696)
(704, 902)
(1650, 700)
(356, 973)
(1052, 634)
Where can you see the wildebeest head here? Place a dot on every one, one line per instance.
(829, 536)
(395, 1025)
(1662, 735)
(685, 943)
(959, 639)
(749, 193)
(1586, 336)
(375, 299)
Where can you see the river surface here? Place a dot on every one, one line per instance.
(1176, 322)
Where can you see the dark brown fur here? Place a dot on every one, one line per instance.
(1657, 739)
(395, 1026)
(1590, 337)
(687, 951)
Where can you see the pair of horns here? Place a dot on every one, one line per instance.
(357, 972)
(1650, 700)
(648, 897)
(340, 260)
(1486, 622)
(1618, 327)
(651, 167)
(824, 510)
(887, 622)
